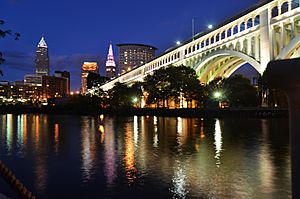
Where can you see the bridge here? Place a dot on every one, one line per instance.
(268, 31)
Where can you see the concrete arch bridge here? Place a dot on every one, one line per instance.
(267, 31)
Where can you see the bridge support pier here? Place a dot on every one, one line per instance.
(284, 74)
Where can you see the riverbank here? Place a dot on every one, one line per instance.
(216, 113)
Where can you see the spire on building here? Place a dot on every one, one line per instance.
(110, 57)
(42, 43)
(110, 63)
(42, 65)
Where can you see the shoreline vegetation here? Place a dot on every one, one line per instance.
(254, 112)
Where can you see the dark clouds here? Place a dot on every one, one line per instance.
(18, 60)
(18, 63)
(73, 63)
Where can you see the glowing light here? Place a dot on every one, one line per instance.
(135, 129)
(218, 142)
(179, 181)
(102, 131)
(101, 117)
(90, 66)
(178, 43)
(129, 160)
(56, 136)
(179, 125)
(217, 94)
(155, 120)
(155, 139)
(88, 155)
(135, 100)
(210, 26)
(9, 131)
(37, 129)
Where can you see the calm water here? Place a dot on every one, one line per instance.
(146, 157)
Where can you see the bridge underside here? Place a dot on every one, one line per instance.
(223, 64)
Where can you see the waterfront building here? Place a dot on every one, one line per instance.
(110, 65)
(87, 67)
(64, 74)
(18, 91)
(4, 87)
(131, 55)
(54, 86)
(42, 58)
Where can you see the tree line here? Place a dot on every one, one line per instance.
(180, 85)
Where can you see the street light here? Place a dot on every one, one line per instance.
(218, 96)
(210, 26)
(178, 43)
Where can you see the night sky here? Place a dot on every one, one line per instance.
(80, 30)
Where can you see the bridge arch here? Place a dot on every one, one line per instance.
(223, 63)
(290, 49)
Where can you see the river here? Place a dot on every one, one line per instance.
(72, 156)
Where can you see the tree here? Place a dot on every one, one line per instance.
(136, 93)
(214, 87)
(4, 33)
(158, 87)
(171, 83)
(240, 92)
(270, 97)
(119, 96)
(185, 82)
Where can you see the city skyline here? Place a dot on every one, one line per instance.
(69, 49)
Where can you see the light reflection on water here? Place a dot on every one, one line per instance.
(147, 157)
(129, 156)
(110, 154)
(218, 142)
(88, 150)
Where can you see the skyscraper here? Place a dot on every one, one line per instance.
(87, 67)
(110, 63)
(42, 58)
(132, 55)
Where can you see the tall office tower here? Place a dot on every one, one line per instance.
(110, 63)
(42, 58)
(87, 67)
(132, 55)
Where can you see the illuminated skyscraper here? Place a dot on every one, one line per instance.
(87, 67)
(132, 55)
(42, 58)
(110, 63)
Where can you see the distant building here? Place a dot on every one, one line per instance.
(42, 58)
(110, 66)
(54, 86)
(131, 55)
(18, 83)
(4, 89)
(64, 74)
(19, 91)
(95, 80)
(33, 80)
(87, 67)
